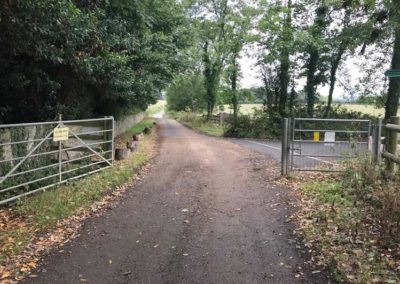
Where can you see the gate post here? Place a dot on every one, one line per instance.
(391, 144)
(60, 151)
(377, 141)
(285, 148)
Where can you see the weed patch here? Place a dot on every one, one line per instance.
(351, 222)
(198, 123)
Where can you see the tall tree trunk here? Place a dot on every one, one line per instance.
(285, 61)
(211, 76)
(310, 85)
(332, 80)
(312, 65)
(234, 76)
(276, 98)
(269, 94)
(291, 99)
(392, 103)
(284, 82)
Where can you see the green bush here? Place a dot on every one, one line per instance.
(267, 123)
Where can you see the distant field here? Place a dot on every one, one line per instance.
(249, 108)
(367, 109)
(244, 108)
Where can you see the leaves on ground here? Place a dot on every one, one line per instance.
(340, 233)
(23, 240)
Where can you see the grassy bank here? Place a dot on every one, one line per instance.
(351, 223)
(138, 128)
(197, 122)
(23, 222)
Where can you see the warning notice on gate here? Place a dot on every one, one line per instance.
(60, 134)
(316, 136)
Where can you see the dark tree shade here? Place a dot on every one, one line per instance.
(86, 58)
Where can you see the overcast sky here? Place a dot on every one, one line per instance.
(251, 75)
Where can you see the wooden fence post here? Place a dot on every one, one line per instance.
(391, 144)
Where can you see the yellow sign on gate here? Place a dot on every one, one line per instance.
(316, 136)
(60, 134)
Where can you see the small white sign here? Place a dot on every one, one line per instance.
(329, 137)
(60, 134)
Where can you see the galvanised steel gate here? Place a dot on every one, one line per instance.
(37, 156)
(312, 144)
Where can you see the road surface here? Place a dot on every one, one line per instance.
(208, 212)
(314, 154)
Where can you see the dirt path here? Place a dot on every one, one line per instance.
(205, 214)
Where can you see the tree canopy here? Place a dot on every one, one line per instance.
(86, 58)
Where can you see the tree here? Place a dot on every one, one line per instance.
(238, 34)
(393, 96)
(187, 93)
(348, 18)
(278, 42)
(313, 49)
(86, 58)
(209, 19)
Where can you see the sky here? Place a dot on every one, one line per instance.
(251, 75)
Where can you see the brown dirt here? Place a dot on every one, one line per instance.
(208, 212)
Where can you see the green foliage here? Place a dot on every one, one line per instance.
(197, 122)
(156, 108)
(258, 125)
(86, 59)
(267, 124)
(187, 93)
(353, 220)
(138, 128)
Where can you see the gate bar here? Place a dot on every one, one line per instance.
(332, 119)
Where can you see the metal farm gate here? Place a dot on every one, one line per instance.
(313, 144)
(37, 156)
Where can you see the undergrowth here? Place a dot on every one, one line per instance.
(198, 122)
(148, 122)
(261, 123)
(264, 123)
(353, 219)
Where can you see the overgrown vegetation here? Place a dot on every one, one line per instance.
(148, 122)
(351, 222)
(156, 108)
(198, 122)
(87, 58)
(260, 123)
(300, 46)
(23, 221)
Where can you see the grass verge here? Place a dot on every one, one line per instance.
(198, 123)
(37, 215)
(148, 122)
(351, 223)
